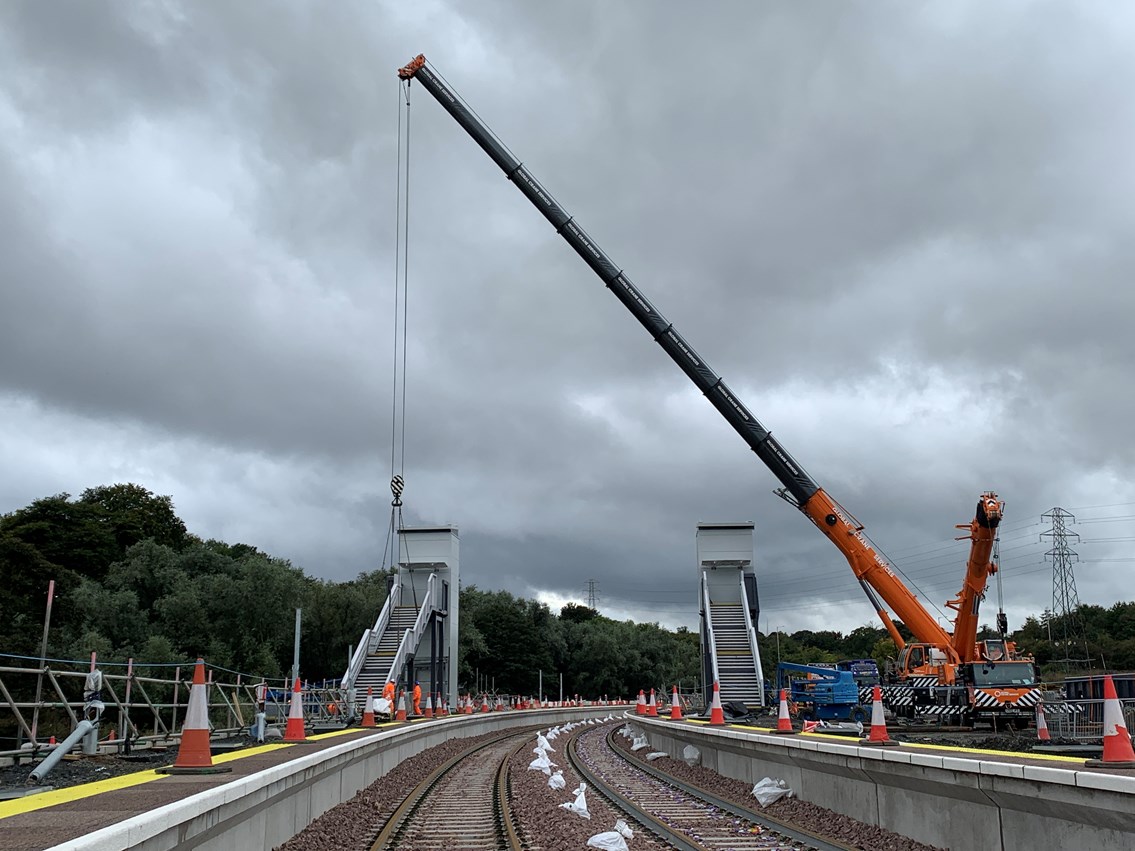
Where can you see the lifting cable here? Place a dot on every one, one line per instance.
(401, 300)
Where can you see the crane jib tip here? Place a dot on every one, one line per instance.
(415, 65)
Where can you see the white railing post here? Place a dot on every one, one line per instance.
(709, 629)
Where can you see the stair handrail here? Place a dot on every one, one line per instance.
(392, 601)
(752, 633)
(371, 637)
(411, 637)
(709, 629)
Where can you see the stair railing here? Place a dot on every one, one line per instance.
(712, 644)
(752, 633)
(371, 637)
(413, 636)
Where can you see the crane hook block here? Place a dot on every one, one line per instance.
(415, 64)
(397, 484)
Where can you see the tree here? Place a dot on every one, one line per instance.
(576, 613)
(134, 514)
(70, 535)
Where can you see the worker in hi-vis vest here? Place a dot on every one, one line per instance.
(417, 698)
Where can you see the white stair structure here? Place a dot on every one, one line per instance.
(414, 638)
(729, 609)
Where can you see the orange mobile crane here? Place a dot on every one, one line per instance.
(949, 680)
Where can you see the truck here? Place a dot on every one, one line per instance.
(821, 693)
(939, 671)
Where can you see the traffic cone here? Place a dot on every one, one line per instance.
(809, 726)
(640, 706)
(676, 707)
(1041, 725)
(193, 755)
(783, 720)
(294, 731)
(400, 712)
(368, 713)
(716, 713)
(51, 741)
(1117, 751)
(468, 704)
(428, 711)
(485, 703)
(652, 707)
(878, 736)
(442, 710)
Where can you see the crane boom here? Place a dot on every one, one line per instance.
(827, 515)
(982, 533)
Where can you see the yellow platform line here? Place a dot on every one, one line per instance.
(111, 784)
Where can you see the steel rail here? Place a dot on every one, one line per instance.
(667, 833)
(390, 834)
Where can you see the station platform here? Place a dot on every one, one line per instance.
(50, 818)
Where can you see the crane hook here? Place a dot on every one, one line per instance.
(397, 485)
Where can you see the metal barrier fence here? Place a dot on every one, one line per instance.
(141, 708)
(1082, 719)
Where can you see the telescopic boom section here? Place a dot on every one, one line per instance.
(867, 565)
(982, 533)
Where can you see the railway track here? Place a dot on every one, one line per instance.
(461, 804)
(687, 818)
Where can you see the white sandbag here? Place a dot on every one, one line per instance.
(380, 705)
(656, 755)
(542, 742)
(769, 791)
(639, 743)
(542, 763)
(556, 781)
(579, 805)
(691, 755)
(611, 840)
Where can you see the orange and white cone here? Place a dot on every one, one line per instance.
(428, 710)
(716, 713)
(468, 704)
(368, 713)
(294, 731)
(1041, 725)
(1117, 751)
(783, 719)
(640, 706)
(878, 737)
(400, 713)
(652, 707)
(442, 710)
(676, 707)
(485, 703)
(193, 755)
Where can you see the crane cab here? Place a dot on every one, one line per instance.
(920, 661)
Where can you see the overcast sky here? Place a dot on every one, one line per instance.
(902, 233)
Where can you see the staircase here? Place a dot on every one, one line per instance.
(735, 663)
(376, 668)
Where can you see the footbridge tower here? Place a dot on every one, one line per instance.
(729, 607)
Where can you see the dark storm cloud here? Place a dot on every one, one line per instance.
(899, 233)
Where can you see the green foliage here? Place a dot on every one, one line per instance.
(576, 613)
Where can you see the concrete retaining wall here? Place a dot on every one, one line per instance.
(944, 801)
(266, 809)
